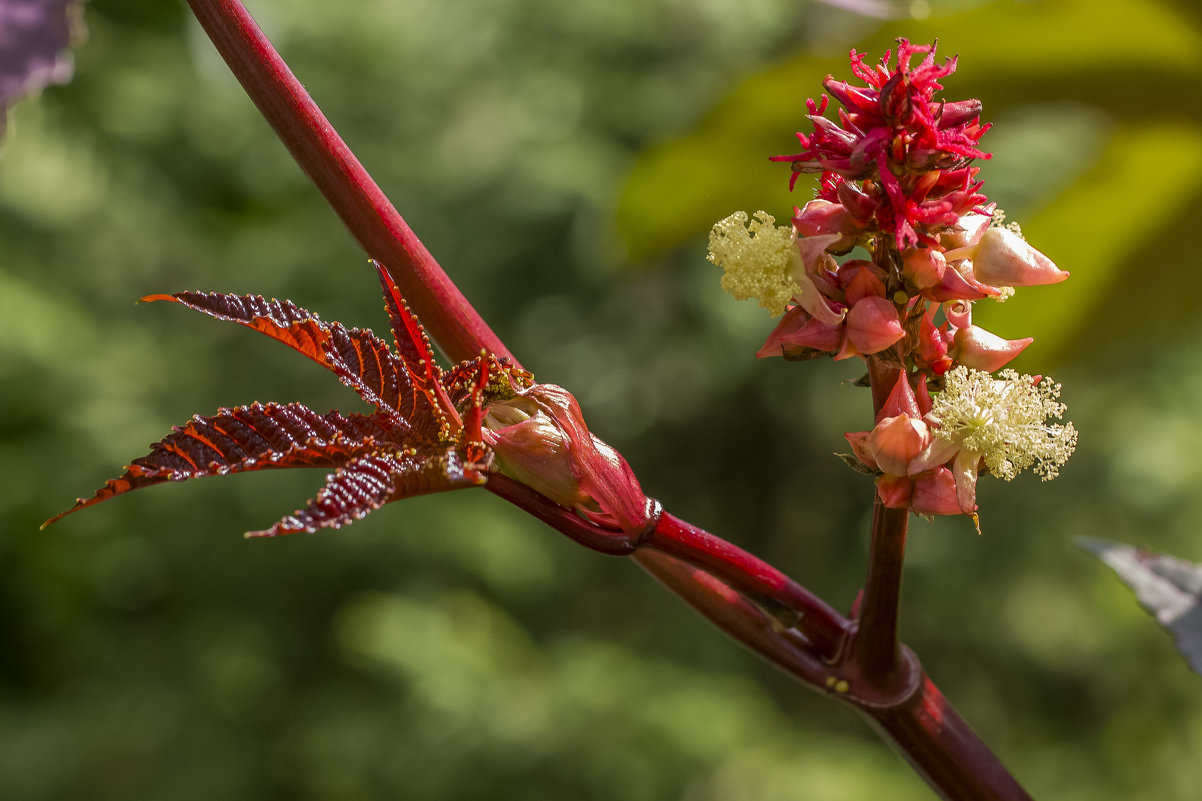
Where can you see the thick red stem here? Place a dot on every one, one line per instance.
(913, 716)
(930, 734)
(740, 571)
(743, 620)
(367, 213)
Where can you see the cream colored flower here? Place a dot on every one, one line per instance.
(1003, 421)
(757, 258)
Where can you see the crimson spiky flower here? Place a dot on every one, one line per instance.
(897, 159)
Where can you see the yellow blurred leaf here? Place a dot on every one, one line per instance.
(1099, 230)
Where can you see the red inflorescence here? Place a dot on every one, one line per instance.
(897, 159)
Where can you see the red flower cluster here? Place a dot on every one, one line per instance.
(898, 181)
(897, 160)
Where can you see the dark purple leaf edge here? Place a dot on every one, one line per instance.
(35, 37)
(1168, 588)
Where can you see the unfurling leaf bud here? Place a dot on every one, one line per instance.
(533, 450)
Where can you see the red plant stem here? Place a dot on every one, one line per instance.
(350, 191)
(875, 642)
(722, 580)
(876, 638)
(748, 574)
(565, 521)
(930, 734)
(730, 611)
(882, 377)
(824, 628)
(915, 718)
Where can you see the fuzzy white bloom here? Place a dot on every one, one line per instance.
(1003, 420)
(757, 258)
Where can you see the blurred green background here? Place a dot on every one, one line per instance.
(564, 161)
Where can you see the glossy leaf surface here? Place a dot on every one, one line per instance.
(416, 442)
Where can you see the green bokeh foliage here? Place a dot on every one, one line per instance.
(564, 162)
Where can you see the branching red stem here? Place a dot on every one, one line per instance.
(736, 591)
(913, 716)
(748, 574)
(730, 611)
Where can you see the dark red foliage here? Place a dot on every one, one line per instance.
(423, 437)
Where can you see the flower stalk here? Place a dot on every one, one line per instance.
(876, 641)
(876, 638)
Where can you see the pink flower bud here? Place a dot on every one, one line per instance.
(861, 279)
(901, 399)
(895, 491)
(931, 345)
(1003, 259)
(821, 217)
(896, 441)
(935, 493)
(551, 450)
(954, 285)
(798, 332)
(858, 440)
(858, 203)
(923, 267)
(811, 274)
(958, 112)
(872, 326)
(968, 231)
(922, 394)
(981, 350)
(853, 97)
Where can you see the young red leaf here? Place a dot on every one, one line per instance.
(256, 437)
(369, 482)
(416, 442)
(358, 357)
(411, 341)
